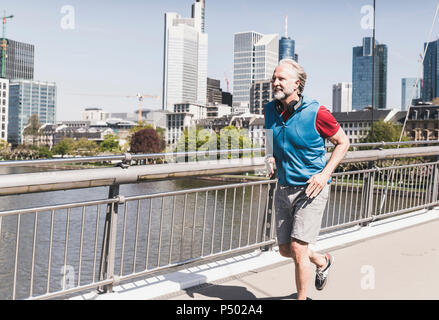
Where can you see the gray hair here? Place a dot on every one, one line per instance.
(298, 69)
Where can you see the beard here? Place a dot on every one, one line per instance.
(282, 94)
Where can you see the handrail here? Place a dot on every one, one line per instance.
(129, 156)
(75, 179)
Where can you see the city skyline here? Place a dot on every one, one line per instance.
(116, 48)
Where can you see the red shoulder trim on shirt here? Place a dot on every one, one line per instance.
(326, 124)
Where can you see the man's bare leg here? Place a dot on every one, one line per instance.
(302, 256)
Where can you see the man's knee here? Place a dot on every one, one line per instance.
(299, 249)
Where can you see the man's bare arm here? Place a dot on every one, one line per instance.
(318, 181)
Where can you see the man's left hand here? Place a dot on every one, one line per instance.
(316, 183)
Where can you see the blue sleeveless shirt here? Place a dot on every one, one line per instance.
(297, 146)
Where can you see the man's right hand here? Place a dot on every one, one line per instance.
(269, 166)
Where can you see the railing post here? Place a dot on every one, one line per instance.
(435, 183)
(268, 215)
(368, 187)
(106, 269)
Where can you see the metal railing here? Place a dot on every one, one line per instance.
(56, 250)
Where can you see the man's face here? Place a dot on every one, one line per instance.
(284, 82)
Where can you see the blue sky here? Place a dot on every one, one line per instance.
(116, 47)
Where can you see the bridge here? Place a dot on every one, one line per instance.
(214, 241)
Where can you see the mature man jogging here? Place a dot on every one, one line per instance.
(299, 127)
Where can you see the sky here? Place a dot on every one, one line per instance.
(101, 51)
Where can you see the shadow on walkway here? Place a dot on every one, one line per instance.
(224, 292)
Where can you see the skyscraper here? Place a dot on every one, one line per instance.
(214, 92)
(27, 97)
(430, 87)
(409, 91)
(342, 97)
(19, 60)
(362, 75)
(286, 49)
(287, 46)
(255, 57)
(261, 93)
(185, 58)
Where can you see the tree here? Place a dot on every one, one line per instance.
(86, 147)
(160, 131)
(384, 131)
(110, 143)
(196, 139)
(233, 138)
(146, 141)
(65, 146)
(33, 128)
(44, 152)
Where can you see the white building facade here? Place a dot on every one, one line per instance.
(342, 97)
(255, 58)
(185, 59)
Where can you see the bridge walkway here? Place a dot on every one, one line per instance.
(402, 264)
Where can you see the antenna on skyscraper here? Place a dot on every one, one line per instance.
(286, 26)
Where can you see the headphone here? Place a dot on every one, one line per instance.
(290, 106)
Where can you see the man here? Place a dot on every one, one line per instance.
(299, 127)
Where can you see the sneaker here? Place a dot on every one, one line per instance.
(322, 275)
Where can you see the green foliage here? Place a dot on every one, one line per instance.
(200, 139)
(384, 131)
(64, 147)
(110, 143)
(32, 128)
(44, 152)
(86, 147)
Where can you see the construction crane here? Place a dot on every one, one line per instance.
(227, 81)
(3, 45)
(139, 97)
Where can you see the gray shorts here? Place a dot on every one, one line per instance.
(298, 216)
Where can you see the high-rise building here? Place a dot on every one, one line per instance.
(409, 91)
(430, 88)
(362, 75)
(28, 97)
(287, 46)
(4, 103)
(255, 58)
(261, 93)
(342, 97)
(185, 58)
(214, 92)
(227, 98)
(19, 60)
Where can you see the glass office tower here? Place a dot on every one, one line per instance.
(409, 91)
(185, 59)
(430, 88)
(19, 60)
(362, 75)
(255, 58)
(27, 97)
(286, 48)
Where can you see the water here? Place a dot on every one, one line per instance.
(136, 249)
(212, 222)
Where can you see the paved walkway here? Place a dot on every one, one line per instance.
(403, 264)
